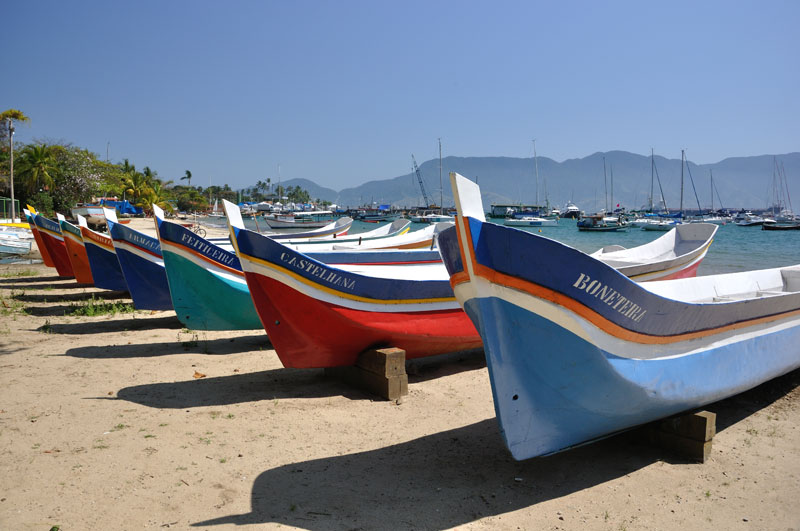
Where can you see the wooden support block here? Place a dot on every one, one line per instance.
(390, 388)
(380, 371)
(385, 361)
(700, 426)
(689, 448)
(688, 435)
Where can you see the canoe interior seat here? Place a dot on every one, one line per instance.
(791, 278)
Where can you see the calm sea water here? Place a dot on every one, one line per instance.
(734, 249)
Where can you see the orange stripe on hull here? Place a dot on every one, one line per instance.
(604, 324)
(79, 260)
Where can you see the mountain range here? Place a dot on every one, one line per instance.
(739, 182)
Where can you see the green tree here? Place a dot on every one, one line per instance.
(227, 193)
(298, 195)
(187, 175)
(127, 167)
(80, 177)
(136, 188)
(43, 203)
(7, 118)
(160, 194)
(191, 200)
(37, 167)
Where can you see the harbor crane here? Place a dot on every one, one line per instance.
(421, 183)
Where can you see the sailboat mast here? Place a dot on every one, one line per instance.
(441, 190)
(611, 171)
(605, 182)
(711, 172)
(536, 166)
(682, 156)
(786, 186)
(652, 168)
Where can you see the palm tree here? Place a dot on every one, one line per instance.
(127, 167)
(149, 174)
(139, 189)
(9, 117)
(158, 196)
(37, 166)
(188, 176)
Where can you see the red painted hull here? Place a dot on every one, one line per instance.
(690, 271)
(58, 252)
(79, 261)
(308, 333)
(42, 247)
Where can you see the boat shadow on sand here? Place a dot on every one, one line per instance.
(169, 322)
(72, 297)
(23, 282)
(190, 342)
(454, 477)
(273, 384)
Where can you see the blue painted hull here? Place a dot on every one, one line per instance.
(106, 272)
(569, 391)
(142, 265)
(576, 351)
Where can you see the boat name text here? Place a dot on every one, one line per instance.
(611, 297)
(324, 274)
(98, 238)
(211, 251)
(142, 241)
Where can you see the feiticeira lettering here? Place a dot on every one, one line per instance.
(207, 249)
(611, 297)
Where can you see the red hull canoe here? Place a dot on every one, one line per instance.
(308, 333)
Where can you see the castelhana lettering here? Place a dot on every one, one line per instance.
(324, 274)
(610, 296)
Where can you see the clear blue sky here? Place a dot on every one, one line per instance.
(342, 92)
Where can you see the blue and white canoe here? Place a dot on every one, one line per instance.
(142, 265)
(106, 272)
(206, 283)
(577, 351)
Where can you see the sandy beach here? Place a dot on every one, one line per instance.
(129, 421)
